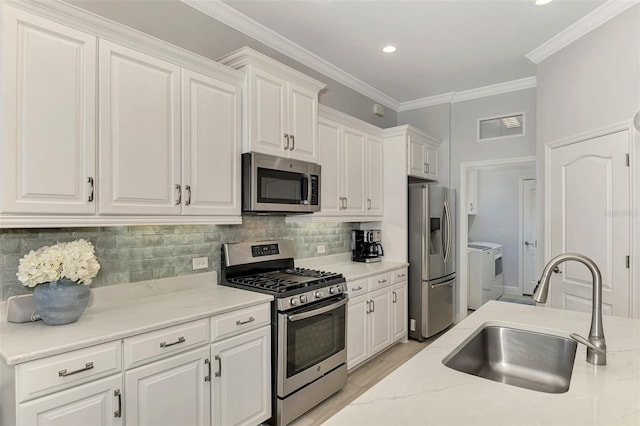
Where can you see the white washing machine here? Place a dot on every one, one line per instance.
(485, 278)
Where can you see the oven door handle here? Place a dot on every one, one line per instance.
(303, 315)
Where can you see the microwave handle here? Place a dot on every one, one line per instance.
(304, 196)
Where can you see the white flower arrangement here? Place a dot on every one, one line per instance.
(75, 260)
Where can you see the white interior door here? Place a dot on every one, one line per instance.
(529, 242)
(589, 196)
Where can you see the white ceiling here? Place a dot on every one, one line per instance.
(443, 45)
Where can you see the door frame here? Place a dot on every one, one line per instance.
(521, 212)
(463, 227)
(634, 156)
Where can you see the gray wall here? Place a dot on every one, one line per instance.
(590, 84)
(181, 25)
(498, 218)
(434, 120)
(139, 253)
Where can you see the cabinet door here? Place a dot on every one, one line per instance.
(375, 176)
(329, 158)
(139, 102)
(417, 156)
(241, 387)
(354, 172)
(357, 331)
(399, 311)
(303, 118)
(210, 136)
(267, 114)
(380, 320)
(48, 136)
(95, 403)
(173, 391)
(432, 163)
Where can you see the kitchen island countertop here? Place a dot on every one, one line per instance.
(423, 391)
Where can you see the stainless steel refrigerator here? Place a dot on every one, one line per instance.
(432, 259)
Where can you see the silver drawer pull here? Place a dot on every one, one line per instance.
(219, 372)
(251, 319)
(65, 373)
(401, 275)
(356, 288)
(118, 412)
(382, 281)
(181, 339)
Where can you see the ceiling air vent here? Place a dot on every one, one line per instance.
(501, 127)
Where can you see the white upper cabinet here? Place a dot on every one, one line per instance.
(422, 155)
(352, 168)
(210, 136)
(139, 103)
(48, 115)
(280, 108)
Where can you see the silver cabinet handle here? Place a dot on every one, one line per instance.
(368, 203)
(219, 372)
(65, 373)
(251, 319)
(356, 288)
(207, 362)
(286, 137)
(188, 189)
(401, 275)
(346, 203)
(382, 281)
(181, 339)
(395, 297)
(427, 170)
(368, 311)
(293, 143)
(179, 189)
(118, 412)
(425, 167)
(373, 306)
(341, 203)
(90, 198)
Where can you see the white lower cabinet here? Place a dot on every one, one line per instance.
(173, 391)
(97, 403)
(241, 382)
(376, 315)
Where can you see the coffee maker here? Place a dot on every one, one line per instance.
(366, 247)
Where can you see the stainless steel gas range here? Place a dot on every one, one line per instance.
(308, 323)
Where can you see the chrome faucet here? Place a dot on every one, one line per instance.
(596, 346)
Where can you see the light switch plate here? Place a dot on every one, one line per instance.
(200, 263)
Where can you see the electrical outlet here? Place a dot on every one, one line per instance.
(320, 248)
(200, 263)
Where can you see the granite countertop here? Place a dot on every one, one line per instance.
(350, 270)
(423, 391)
(120, 311)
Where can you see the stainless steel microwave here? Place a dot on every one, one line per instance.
(279, 185)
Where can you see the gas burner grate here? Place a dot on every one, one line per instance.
(278, 285)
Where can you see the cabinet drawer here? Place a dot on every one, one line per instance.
(357, 287)
(151, 346)
(58, 372)
(229, 324)
(379, 281)
(399, 275)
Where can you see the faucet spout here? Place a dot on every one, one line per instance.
(597, 350)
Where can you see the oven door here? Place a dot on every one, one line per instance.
(311, 342)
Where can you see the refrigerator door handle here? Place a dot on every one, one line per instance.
(447, 215)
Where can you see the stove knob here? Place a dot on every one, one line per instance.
(332, 290)
(303, 298)
(318, 295)
(338, 289)
(293, 301)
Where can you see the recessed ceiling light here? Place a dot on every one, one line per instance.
(389, 48)
(543, 2)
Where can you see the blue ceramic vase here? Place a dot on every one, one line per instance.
(60, 302)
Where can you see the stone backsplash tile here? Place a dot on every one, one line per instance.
(138, 253)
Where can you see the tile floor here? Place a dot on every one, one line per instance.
(361, 379)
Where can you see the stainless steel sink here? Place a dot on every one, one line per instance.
(530, 360)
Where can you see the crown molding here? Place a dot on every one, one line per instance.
(495, 89)
(445, 98)
(588, 23)
(240, 22)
